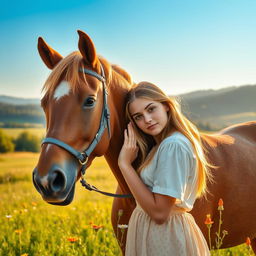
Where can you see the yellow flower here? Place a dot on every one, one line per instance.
(18, 231)
(24, 254)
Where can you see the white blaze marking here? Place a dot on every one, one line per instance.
(62, 90)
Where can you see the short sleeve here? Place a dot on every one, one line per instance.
(172, 169)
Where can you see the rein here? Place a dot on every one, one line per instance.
(83, 156)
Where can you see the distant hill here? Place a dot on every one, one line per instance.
(18, 101)
(221, 108)
(209, 109)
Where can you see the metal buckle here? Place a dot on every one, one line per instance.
(86, 158)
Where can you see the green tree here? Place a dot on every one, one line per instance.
(27, 142)
(6, 143)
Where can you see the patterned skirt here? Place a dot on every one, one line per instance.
(178, 236)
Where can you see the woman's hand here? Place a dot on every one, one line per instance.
(129, 150)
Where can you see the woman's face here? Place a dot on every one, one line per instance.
(149, 115)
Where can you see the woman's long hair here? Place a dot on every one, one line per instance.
(176, 122)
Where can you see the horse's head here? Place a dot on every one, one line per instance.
(76, 116)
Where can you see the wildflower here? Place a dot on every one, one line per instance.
(208, 222)
(96, 227)
(24, 254)
(248, 242)
(8, 216)
(122, 226)
(72, 239)
(34, 204)
(120, 212)
(220, 205)
(18, 231)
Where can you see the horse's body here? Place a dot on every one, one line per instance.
(232, 150)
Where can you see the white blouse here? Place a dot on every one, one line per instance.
(172, 171)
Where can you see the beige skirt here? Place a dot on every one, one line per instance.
(179, 236)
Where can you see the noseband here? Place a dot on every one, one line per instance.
(83, 156)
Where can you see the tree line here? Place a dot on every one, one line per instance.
(24, 142)
(21, 114)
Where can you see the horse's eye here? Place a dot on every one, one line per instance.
(89, 102)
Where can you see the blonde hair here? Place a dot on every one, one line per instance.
(176, 122)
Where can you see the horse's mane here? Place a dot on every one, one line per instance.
(68, 69)
(123, 73)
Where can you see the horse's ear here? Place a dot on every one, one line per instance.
(49, 56)
(87, 48)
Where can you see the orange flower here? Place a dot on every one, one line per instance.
(72, 239)
(208, 220)
(96, 227)
(18, 231)
(34, 203)
(220, 205)
(248, 241)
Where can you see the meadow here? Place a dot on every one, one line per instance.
(29, 226)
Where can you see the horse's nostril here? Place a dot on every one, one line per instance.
(58, 181)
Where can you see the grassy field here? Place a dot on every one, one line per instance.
(29, 226)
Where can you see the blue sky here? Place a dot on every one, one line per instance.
(180, 45)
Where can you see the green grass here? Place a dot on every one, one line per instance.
(37, 228)
(29, 225)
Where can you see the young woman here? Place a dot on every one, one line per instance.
(163, 163)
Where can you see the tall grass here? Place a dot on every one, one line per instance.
(29, 226)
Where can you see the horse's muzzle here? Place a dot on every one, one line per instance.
(57, 186)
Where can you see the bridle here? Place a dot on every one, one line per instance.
(83, 156)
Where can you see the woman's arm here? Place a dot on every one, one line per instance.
(157, 206)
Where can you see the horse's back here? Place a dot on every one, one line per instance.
(244, 130)
(232, 151)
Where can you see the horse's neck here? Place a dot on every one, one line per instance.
(117, 111)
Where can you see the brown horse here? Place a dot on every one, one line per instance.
(75, 103)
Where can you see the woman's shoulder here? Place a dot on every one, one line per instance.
(176, 140)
